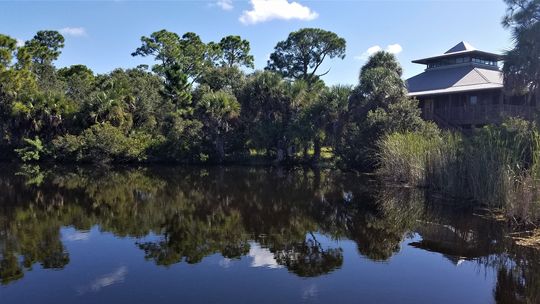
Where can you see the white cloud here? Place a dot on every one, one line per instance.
(225, 5)
(73, 31)
(266, 10)
(392, 49)
(20, 42)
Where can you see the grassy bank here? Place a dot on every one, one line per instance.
(497, 167)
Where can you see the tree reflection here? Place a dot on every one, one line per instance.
(189, 214)
(518, 277)
(309, 258)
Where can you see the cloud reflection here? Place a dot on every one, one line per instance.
(115, 277)
(77, 236)
(262, 257)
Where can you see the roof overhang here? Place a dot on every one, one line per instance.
(496, 57)
(463, 89)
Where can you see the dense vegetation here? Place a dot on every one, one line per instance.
(197, 103)
(200, 102)
(497, 166)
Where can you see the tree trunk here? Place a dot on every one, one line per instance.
(220, 149)
(281, 151)
(280, 155)
(291, 151)
(537, 97)
(335, 131)
(316, 150)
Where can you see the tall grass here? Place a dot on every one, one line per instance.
(497, 167)
(403, 157)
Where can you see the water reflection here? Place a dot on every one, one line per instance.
(114, 277)
(275, 216)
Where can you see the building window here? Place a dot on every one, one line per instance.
(458, 60)
(473, 100)
(484, 61)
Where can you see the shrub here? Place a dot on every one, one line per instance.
(31, 151)
(103, 143)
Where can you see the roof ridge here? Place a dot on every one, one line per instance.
(481, 75)
(460, 47)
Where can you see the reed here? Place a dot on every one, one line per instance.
(497, 167)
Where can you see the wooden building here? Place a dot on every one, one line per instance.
(463, 88)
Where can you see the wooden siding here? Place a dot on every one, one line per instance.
(483, 114)
(490, 106)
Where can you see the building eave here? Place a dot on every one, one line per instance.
(463, 89)
(496, 57)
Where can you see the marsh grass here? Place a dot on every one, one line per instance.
(497, 167)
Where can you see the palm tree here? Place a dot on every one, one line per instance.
(522, 63)
(221, 109)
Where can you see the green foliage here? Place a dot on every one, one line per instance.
(31, 150)
(45, 47)
(378, 106)
(303, 52)
(219, 112)
(103, 143)
(521, 67)
(320, 121)
(231, 79)
(220, 108)
(187, 54)
(79, 80)
(32, 174)
(234, 51)
(497, 167)
(271, 113)
(197, 104)
(398, 117)
(182, 140)
(7, 47)
(177, 89)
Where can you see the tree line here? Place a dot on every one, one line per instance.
(198, 102)
(202, 102)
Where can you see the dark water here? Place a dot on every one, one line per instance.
(245, 235)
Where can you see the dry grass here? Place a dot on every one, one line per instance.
(527, 238)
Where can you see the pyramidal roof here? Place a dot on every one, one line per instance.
(453, 80)
(461, 47)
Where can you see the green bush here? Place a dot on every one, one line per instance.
(103, 143)
(31, 151)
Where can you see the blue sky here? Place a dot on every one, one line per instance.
(102, 34)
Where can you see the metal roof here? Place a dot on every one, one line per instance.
(461, 48)
(460, 78)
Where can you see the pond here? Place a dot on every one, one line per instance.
(246, 235)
